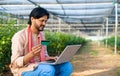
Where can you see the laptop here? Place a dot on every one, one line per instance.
(65, 56)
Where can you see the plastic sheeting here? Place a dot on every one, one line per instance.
(71, 11)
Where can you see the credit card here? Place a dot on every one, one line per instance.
(45, 42)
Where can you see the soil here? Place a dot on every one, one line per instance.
(94, 59)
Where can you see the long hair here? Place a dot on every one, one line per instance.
(37, 13)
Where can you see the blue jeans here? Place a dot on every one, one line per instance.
(64, 69)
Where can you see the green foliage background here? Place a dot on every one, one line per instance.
(6, 33)
(58, 41)
(111, 42)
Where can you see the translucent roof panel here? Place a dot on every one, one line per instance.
(85, 1)
(14, 2)
(69, 10)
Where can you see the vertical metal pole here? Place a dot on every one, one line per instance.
(98, 37)
(59, 21)
(116, 25)
(101, 35)
(103, 32)
(17, 20)
(106, 32)
(69, 27)
(52, 23)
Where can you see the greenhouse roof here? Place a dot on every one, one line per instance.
(71, 11)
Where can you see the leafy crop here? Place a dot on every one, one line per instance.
(6, 33)
(58, 41)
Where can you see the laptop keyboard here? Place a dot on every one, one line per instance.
(50, 60)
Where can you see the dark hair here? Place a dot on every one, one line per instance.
(37, 13)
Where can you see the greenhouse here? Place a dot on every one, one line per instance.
(91, 23)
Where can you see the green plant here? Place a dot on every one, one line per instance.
(111, 42)
(58, 41)
(6, 33)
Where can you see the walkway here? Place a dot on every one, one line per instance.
(94, 60)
